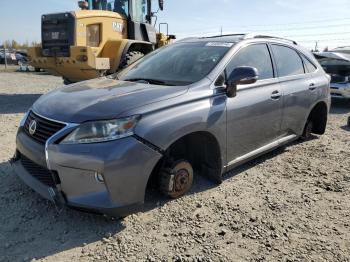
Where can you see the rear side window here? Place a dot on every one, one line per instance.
(309, 67)
(288, 61)
(257, 56)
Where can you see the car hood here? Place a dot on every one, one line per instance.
(100, 99)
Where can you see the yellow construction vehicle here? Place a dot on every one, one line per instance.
(101, 38)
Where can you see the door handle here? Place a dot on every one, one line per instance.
(312, 86)
(276, 95)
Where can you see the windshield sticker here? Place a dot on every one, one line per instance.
(219, 44)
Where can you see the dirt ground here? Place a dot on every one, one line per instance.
(290, 205)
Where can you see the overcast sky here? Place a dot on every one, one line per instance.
(305, 21)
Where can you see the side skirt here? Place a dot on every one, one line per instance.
(260, 151)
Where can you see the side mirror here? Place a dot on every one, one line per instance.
(161, 4)
(243, 75)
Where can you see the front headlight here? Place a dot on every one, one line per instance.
(102, 131)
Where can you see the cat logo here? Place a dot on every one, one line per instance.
(117, 27)
(55, 35)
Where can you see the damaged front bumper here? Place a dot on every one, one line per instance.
(109, 178)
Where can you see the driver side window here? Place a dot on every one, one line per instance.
(256, 55)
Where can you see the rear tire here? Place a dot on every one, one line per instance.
(37, 69)
(176, 179)
(349, 121)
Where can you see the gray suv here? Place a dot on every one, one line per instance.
(201, 106)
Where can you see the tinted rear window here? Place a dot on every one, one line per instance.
(288, 61)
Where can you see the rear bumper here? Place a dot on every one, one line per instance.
(81, 65)
(125, 165)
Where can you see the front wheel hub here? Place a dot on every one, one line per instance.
(177, 180)
(181, 179)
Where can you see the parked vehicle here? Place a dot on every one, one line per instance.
(100, 39)
(337, 64)
(340, 86)
(21, 57)
(10, 58)
(197, 107)
(13, 58)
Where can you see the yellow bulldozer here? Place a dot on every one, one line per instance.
(101, 38)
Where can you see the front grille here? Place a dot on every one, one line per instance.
(44, 128)
(57, 34)
(40, 173)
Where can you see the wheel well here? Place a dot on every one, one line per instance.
(201, 149)
(319, 116)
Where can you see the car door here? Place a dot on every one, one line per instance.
(296, 88)
(318, 82)
(254, 116)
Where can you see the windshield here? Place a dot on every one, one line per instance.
(119, 6)
(177, 64)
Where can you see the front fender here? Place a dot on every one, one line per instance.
(164, 127)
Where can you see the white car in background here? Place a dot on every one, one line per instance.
(340, 86)
(337, 64)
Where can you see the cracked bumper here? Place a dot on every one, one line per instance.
(125, 165)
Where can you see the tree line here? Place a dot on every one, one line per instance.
(13, 44)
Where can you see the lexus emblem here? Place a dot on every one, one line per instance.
(32, 127)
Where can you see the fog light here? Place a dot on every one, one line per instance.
(99, 177)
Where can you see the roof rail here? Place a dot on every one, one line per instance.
(186, 39)
(252, 35)
(218, 36)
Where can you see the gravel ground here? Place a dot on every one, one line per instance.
(290, 205)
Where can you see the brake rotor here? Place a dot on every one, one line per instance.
(181, 180)
(177, 180)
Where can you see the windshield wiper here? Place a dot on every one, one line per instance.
(148, 80)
